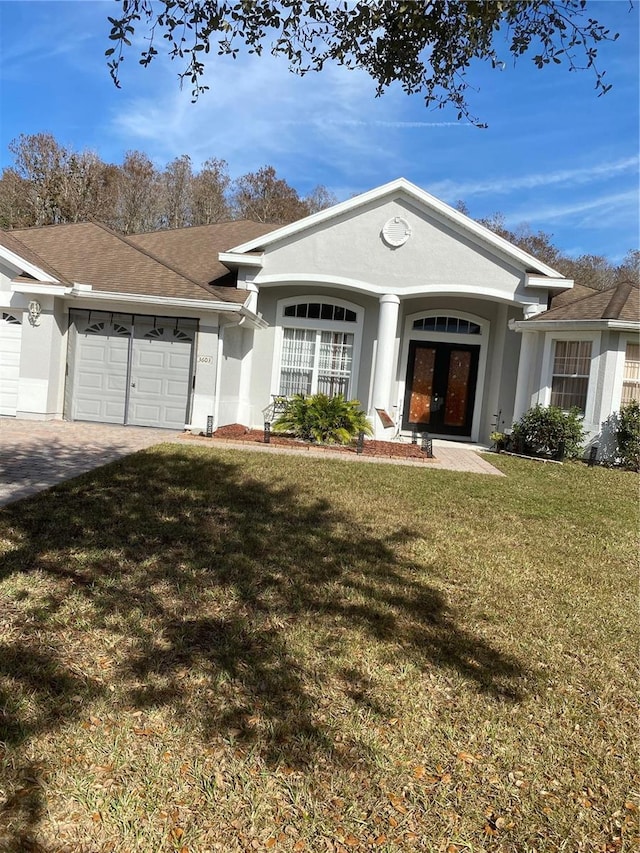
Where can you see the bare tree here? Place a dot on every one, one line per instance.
(177, 181)
(264, 197)
(15, 211)
(40, 161)
(319, 199)
(209, 193)
(139, 195)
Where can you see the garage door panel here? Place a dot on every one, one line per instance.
(151, 358)
(10, 346)
(118, 357)
(147, 385)
(91, 381)
(160, 377)
(179, 360)
(100, 380)
(116, 383)
(174, 388)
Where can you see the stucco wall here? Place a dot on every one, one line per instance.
(235, 370)
(351, 247)
(262, 378)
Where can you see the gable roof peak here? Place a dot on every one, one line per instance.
(423, 198)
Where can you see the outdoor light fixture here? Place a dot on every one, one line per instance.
(35, 309)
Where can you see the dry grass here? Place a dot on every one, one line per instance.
(212, 650)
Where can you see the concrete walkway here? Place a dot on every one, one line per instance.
(35, 455)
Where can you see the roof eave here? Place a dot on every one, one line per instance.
(559, 325)
(18, 262)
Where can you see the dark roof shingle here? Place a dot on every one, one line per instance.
(90, 253)
(621, 302)
(195, 250)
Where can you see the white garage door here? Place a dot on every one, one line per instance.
(130, 370)
(100, 377)
(10, 340)
(160, 374)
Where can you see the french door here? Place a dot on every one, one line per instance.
(440, 387)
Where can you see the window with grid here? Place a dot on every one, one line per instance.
(316, 361)
(631, 376)
(570, 382)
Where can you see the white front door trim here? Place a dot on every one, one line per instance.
(482, 340)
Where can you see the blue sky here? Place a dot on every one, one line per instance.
(555, 156)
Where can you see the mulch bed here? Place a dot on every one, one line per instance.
(389, 449)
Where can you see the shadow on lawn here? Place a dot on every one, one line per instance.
(205, 571)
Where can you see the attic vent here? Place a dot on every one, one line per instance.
(396, 232)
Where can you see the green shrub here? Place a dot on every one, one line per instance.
(628, 436)
(329, 420)
(544, 430)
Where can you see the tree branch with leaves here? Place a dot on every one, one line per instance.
(427, 46)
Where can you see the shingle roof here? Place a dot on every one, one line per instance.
(195, 250)
(621, 302)
(564, 297)
(9, 240)
(90, 253)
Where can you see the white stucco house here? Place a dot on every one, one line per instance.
(393, 298)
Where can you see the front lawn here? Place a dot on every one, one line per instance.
(208, 650)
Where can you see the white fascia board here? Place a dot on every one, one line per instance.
(572, 325)
(18, 262)
(234, 308)
(231, 259)
(422, 197)
(160, 301)
(40, 289)
(542, 281)
(255, 321)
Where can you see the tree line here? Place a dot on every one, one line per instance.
(589, 270)
(50, 183)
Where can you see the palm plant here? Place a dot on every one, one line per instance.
(324, 419)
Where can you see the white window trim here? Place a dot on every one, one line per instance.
(619, 368)
(481, 340)
(282, 322)
(544, 394)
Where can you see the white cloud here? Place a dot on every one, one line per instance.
(586, 213)
(256, 112)
(506, 184)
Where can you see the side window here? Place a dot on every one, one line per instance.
(631, 376)
(570, 380)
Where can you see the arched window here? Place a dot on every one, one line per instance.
(320, 311)
(319, 339)
(450, 325)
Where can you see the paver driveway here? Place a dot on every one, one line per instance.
(35, 455)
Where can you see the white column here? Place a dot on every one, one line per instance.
(384, 363)
(525, 370)
(498, 334)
